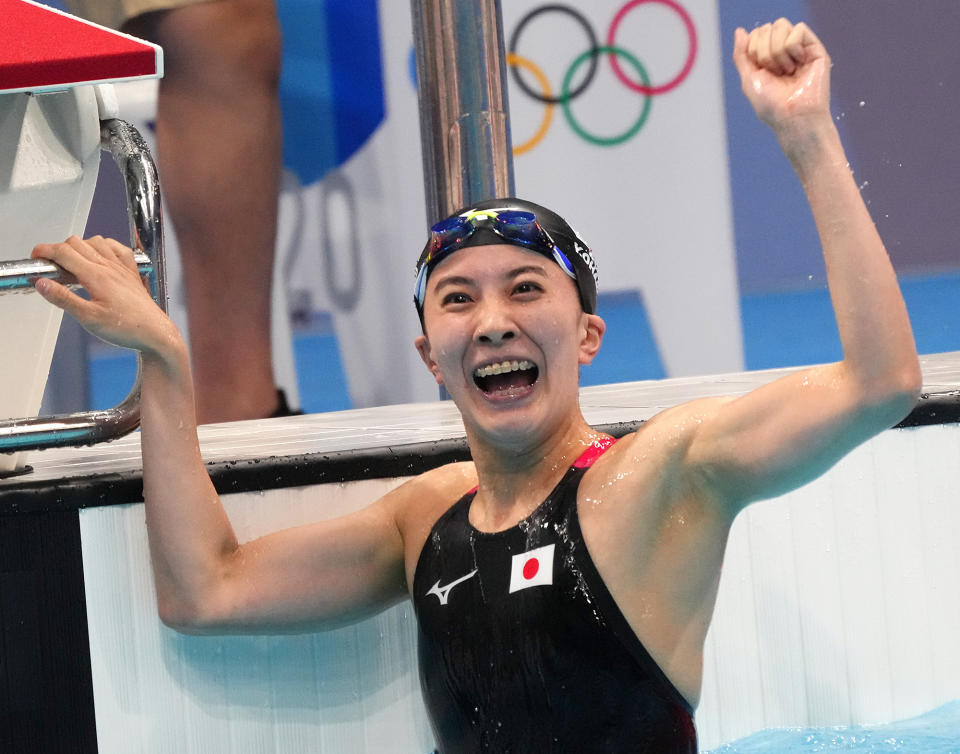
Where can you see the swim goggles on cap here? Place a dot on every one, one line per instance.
(513, 226)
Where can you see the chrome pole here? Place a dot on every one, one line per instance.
(461, 80)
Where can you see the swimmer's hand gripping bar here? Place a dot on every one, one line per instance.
(132, 157)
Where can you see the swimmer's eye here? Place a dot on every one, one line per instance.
(457, 297)
(527, 286)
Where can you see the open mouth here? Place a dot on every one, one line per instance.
(506, 378)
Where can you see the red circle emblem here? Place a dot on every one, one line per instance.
(530, 568)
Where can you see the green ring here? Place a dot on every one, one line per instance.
(565, 98)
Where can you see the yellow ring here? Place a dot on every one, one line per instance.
(514, 59)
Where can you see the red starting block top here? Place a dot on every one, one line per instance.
(43, 49)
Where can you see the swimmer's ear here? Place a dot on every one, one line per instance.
(423, 348)
(592, 330)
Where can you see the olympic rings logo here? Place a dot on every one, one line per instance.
(640, 84)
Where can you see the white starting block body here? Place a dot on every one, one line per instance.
(50, 153)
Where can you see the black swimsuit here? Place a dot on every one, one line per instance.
(523, 649)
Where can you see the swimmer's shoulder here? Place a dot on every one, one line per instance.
(671, 429)
(658, 449)
(420, 502)
(448, 482)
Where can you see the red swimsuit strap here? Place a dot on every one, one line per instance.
(593, 452)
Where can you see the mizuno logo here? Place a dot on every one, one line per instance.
(443, 592)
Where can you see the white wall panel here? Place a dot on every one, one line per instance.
(853, 582)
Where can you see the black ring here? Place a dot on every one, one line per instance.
(579, 18)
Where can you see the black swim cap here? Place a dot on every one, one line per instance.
(567, 240)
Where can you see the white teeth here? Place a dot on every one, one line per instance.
(504, 366)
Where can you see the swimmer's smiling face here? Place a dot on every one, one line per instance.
(505, 334)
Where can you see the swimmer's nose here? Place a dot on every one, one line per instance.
(494, 329)
(495, 336)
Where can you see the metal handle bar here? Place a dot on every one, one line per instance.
(20, 275)
(132, 157)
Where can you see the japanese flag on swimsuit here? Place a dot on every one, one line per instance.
(532, 568)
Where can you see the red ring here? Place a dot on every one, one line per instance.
(691, 55)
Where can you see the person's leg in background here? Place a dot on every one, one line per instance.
(219, 157)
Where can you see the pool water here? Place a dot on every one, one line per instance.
(936, 732)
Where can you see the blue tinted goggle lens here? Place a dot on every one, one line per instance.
(450, 233)
(512, 225)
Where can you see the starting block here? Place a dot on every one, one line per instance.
(57, 113)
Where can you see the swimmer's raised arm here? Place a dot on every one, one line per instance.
(189, 531)
(791, 430)
(307, 577)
